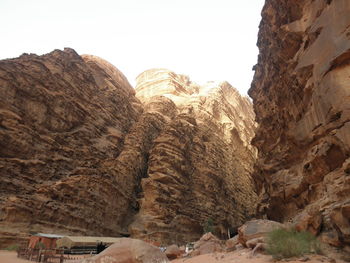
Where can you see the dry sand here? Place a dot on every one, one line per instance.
(240, 256)
(11, 257)
(245, 256)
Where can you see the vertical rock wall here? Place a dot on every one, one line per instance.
(81, 155)
(301, 96)
(200, 164)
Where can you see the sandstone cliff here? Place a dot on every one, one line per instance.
(63, 118)
(80, 154)
(301, 97)
(200, 164)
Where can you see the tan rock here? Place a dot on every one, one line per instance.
(208, 244)
(232, 242)
(80, 154)
(308, 220)
(199, 164)
(330, 238)
(301, 95)
(256, 230)
(63, 117)
(128, 250)
(173, 251)
(252, 243)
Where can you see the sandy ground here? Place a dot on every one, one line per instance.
(240, 256)
(245, 256)
(10, 257)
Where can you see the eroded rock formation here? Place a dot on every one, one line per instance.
(199, 166)
(80, 154)
(63, 119)
(301, 96)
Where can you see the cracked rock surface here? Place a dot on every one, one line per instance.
(301, 96)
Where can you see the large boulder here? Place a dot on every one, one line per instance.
(232, 242)
(128, 250)
(173, 252)
(208, 244)
(256, 229)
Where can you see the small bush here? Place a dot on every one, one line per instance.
(12, 247)
(283, 243)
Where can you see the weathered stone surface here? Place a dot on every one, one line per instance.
(173, 252)
(63, 119)
(232, 242)
(199, 166)
(80, 154)
(256, 230)
(128, 250)
(308, 220)
(301, 97)
(208, 243)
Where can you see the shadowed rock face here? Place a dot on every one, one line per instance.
(80, 154)
(301, 97)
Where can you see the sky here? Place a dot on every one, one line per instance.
(208, 40)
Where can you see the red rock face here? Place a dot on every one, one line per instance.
(80, 154)
(301, 98)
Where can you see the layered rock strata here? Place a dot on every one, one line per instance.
(301, 97)
(80, 154)
(63, 119)
(199, 166)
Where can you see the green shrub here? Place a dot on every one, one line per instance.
(12, 247)
(283, 243)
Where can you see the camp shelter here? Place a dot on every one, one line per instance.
(42, 240)
(83, 242)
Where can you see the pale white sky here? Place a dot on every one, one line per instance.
(205, 39)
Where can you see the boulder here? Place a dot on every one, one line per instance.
(128, 250)
(308, 220)
(252, 243)
(232, 242)
(256, 229)
(173, 252)
(208, 244)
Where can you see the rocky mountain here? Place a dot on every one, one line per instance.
(63, 120)
(301, 98)
(80, 153)
(200, 164)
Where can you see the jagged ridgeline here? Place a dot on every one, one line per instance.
(82, 153)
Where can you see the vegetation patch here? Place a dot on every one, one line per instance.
(286, 243)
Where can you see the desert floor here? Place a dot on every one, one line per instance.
(10, 257)
(245, 256)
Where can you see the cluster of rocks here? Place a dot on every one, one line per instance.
(249, 240)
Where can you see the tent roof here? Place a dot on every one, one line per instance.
(47, 235)
(72, 241)
(84, 239)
